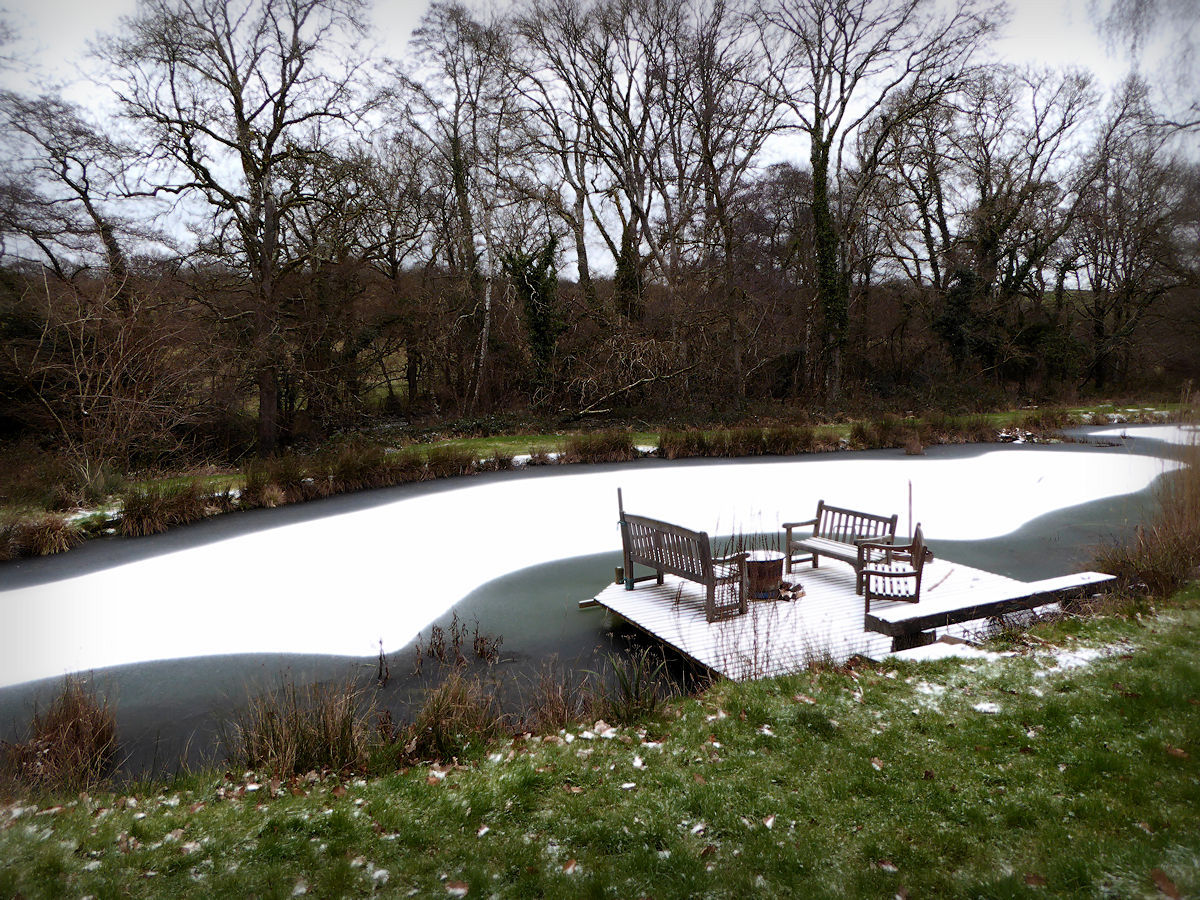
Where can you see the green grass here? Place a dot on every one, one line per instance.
(860, 782)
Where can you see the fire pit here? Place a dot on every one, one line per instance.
(765, 571)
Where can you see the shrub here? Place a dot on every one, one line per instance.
(155, 508)
(600, 447)
(459, 715)
(39, 536)
(292, 730)
(71, 747)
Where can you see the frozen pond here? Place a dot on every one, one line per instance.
(341, 583)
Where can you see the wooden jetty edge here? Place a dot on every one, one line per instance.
(941, 610)
(829, 622)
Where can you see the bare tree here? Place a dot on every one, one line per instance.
(836, 64)
(1129, 240)
(69, 171)
(459, 100)
(1169, 27)
(228, 92)
(113, 382)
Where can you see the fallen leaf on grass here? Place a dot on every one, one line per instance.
(1145, 827)
(804, 698)
(569, 867)
(1033, 879)
(1178, 752)
(339, 791)
(573, 789)
(698, 778)
(886, 865)
(709, 850)
(876, 763)
(457, 888)
(769, 821)
(1165, 884)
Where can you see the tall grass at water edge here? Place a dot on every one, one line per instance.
(71, 746)
(1164, 553)
(295, 729)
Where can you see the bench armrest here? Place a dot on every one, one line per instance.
(736, 558)
(790, 525)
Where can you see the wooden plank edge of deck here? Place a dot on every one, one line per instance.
(918, 623)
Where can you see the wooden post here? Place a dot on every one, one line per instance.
(625, 543)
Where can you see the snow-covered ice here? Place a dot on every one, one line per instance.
(340, 584)
(1171, 434)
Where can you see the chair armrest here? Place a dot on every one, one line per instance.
(867, 544)
(885, 539)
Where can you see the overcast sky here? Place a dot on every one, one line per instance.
(53, 36)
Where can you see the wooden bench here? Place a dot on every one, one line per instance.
(670, 548)
(892, 571)
(836, 533)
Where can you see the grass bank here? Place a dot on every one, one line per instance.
(1067, 768)
(43, 511)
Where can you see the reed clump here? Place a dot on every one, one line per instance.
(39, 536)
(557, 698)
(155, 508)
(292, 730)
(1164, 553)
(638, 688)
(72, 745)
(460, 715)
(683, 444)
(599, 447)
(449, 462)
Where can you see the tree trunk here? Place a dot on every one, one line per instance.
(832, 286)
(581, 254)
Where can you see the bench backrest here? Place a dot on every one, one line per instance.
(848, 525)
(671, 548)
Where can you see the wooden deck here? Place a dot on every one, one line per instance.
(774, 637)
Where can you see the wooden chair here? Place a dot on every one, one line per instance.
(892, 571)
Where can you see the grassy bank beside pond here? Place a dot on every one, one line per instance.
(43, 511)
(1068, 767)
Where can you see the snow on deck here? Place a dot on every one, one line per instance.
(828, 623)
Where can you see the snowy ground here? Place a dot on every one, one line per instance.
(338, 585)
